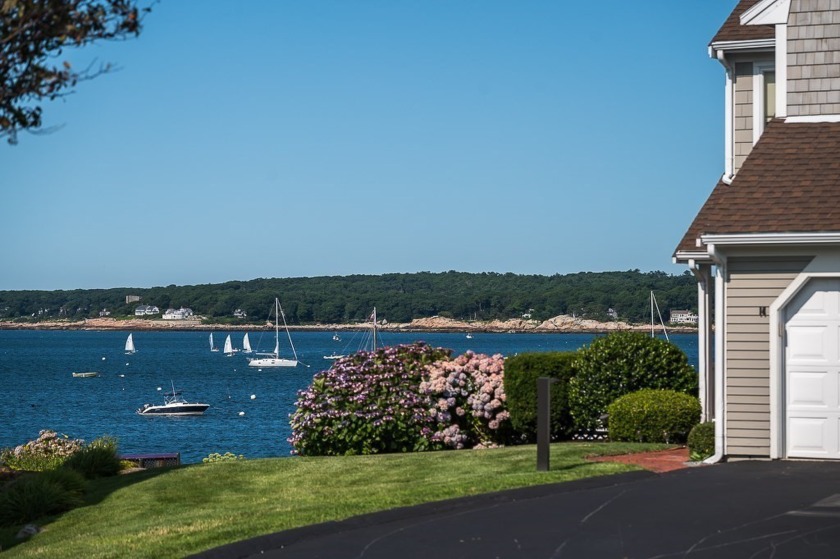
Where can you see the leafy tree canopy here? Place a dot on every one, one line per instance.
(34, 34)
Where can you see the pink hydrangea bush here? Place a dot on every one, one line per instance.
(467, 399)
(367, 403)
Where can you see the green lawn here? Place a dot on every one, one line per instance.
(179, 511)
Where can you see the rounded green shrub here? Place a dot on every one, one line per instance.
(701, 441)
(98, 459)
(621, 363)
(521, 374)
(653, 416)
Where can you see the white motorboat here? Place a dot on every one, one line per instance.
(273, 359)
(173, 404)
(87, 374)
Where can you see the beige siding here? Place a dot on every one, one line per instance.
(813, 58)
(751, 284)
(742, 129)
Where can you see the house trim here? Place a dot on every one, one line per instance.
(812, 119)
(759, 119)
(824, 265)
(767, 12)
(771, 239)
(749, 45)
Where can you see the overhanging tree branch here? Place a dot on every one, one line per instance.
(33, 33)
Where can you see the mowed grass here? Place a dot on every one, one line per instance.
(180, 511)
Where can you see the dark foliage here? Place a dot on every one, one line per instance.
(521, 374)
(34, 33)
(397, 297)
(701, 441)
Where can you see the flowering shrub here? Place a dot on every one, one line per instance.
(467, 400)
(367, 403)
(226, 457)
(49, 451)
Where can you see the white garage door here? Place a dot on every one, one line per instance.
(812, 393)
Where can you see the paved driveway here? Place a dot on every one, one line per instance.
(744, 509)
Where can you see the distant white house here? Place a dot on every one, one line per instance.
(178, 314)
(239, 313)
(683, 317)
(612, 313)
(104, 312)
(146, 310)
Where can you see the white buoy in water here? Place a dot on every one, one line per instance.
(159, 388)
(253, 396)
(241, 413)
(122, 376)
(103, 359)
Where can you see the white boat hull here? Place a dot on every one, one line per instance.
(272, 362)
(178, 408)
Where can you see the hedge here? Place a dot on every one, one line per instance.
(521, 374)
(653, 416)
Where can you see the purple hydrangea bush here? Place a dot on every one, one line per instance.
(47, 452)
(367, 403)
(467, 398)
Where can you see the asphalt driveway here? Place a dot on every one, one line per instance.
(743, 509)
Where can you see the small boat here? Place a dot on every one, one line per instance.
(273, 359)
(173, 404)
(469, 336)
(333, 356)
(246, 344)
(87, 374)
(212, 345)
(129, 345)
(336, 337)
(229, 350)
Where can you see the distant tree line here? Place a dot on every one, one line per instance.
(397, 297)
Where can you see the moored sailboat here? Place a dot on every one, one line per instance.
(212, 345)
(246, 344)
(273, 359)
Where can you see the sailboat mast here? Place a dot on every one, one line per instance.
(374, 328)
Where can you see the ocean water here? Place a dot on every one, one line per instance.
(249, 407)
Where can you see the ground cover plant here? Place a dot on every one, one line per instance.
(195, 506)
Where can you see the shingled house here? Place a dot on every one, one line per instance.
(765, 247)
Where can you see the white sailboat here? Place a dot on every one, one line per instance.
(273, 359)
(246, 344)
(129, 345)
(212, 345)
(228, 349)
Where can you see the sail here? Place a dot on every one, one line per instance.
(246, 344)
(228, 346)
(212, 345)
(129, 344)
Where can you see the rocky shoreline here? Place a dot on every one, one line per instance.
(558, 324)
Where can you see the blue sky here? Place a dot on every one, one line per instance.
(242, 140)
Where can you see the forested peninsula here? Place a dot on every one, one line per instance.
(425, 300)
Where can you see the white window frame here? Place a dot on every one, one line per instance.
(759, 70)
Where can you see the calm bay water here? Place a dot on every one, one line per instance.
(39, 392)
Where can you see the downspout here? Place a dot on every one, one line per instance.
(729, 149)
(720, 413)
(706, 392)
